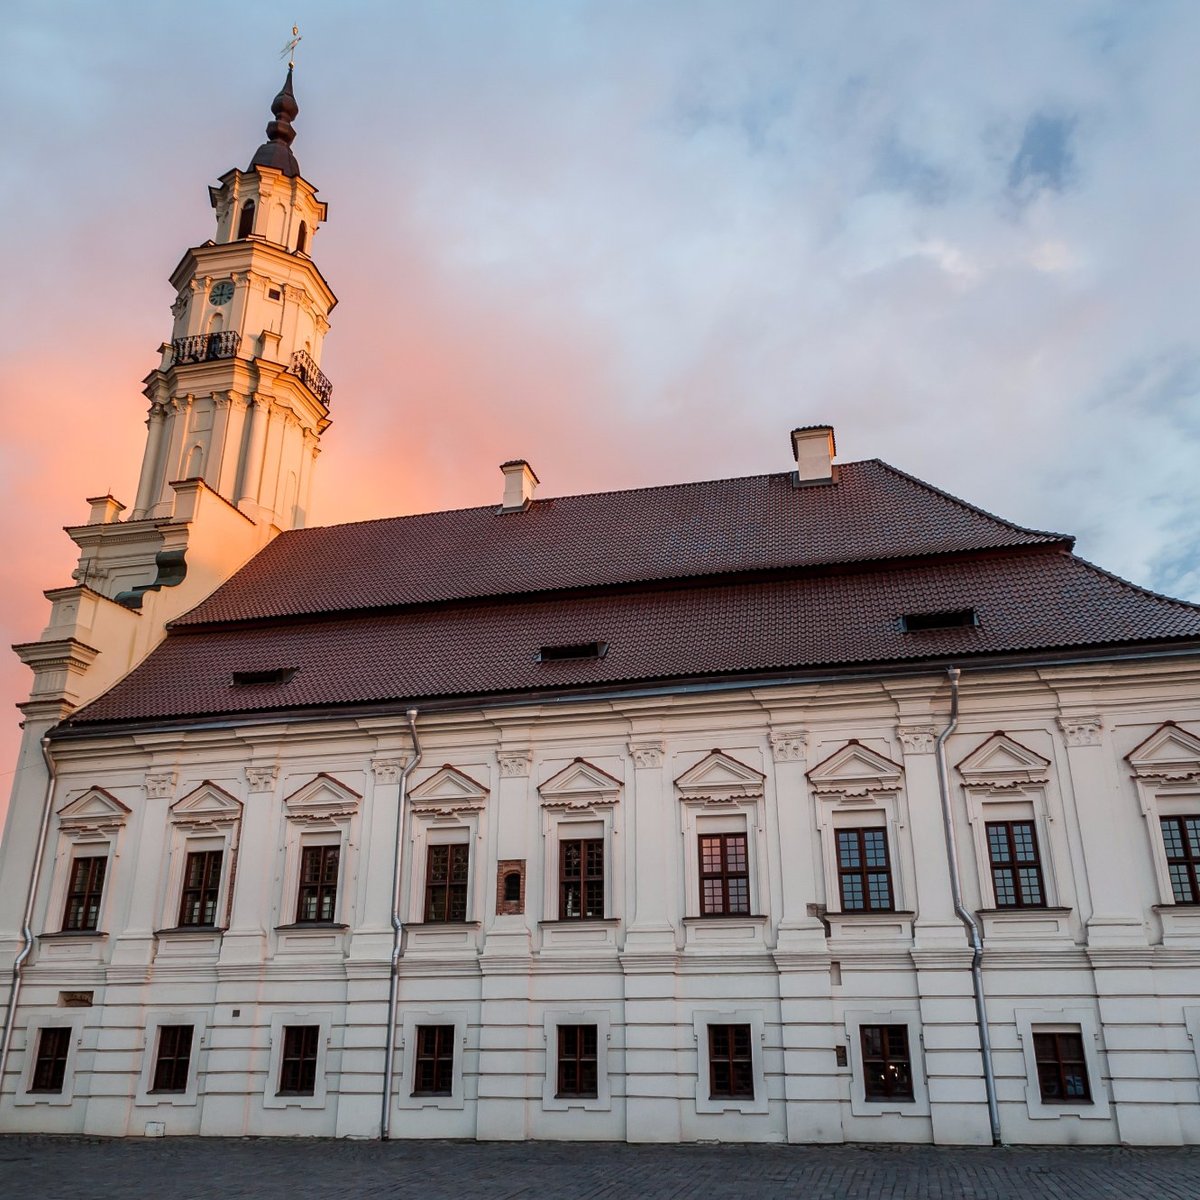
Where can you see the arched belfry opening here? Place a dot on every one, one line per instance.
(246, 221)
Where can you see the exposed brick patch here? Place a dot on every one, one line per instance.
(506, 906)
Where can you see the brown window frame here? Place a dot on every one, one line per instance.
(578, 1076)
(446, 896)
(298, 1060)
(199, 897)
(583, 887)
(173, 1059)
(85, 895)
(434, 1057)
(1015, 866)
(318, 890)
(887, 1075)
(725, 1065)
(864, 872)
(724, 875)
(1053, 1067)
(49, 1074)
(1182, 868)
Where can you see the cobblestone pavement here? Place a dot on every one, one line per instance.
(71, 1168)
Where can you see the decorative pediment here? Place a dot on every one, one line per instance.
(449, 790)
(207, 806)
(580, 785)
(717, 779)
(322, 798)
(1002, 762)
(856, 770)
(96, 811)
(1169, 755)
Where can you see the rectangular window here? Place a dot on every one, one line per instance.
(173, 1058)
(318, 884)
(298, 1063)
(201, 884)
(730, 1063)
(433, 1070)
(446, 870)
(1181, 839)
(50, 1066)
(864, 870)
(1062, 1071)
(581, 879)
(724, 875)
(576, 1061)
(1016, 869)
(887, 1068)
(84, 892)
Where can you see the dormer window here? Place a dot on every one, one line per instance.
(949, 619)
(246, 221)
(272, 675)
(573, 651)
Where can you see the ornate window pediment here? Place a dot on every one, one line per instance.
(1169, 755)
(96, 811)
(1003, 762)
(580, 785)
(719, 779)
(448, 790)
(322, 798)
(855, 770)
(207, 807)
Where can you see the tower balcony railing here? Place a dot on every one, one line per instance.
(205, 347)
(312, 377)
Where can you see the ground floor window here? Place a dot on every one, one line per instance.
(173, 1059)
(577, 1061)
(50, 1066)
(1061, 1068)
(298, 1063)
(887, 1065)
(730, 1063)
(433, 1071)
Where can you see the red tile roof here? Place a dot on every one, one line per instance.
(1029, 601)
(722, 527)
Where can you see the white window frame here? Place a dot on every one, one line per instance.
(197, 1019)
(552, 1019)
(207, 818)
(280, 1020)
(72, 1019)
(323, 812)
(408, 1052)
(910, 1018)
(580, 800)
(1062, 1020)
(705, 1101)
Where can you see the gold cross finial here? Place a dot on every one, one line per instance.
(290, 49)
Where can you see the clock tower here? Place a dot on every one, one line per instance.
(238, 404)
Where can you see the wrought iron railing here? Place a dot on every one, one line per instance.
(204, 347)
(312, 377)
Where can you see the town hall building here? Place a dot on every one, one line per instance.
(814, 806)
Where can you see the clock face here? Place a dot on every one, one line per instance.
(221, 292)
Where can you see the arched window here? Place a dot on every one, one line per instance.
(512, 887)
(246, 222)
(302, 239)
(195, 463)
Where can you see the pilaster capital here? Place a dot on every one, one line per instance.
(387, 770)
(917, 739)
(159, 784)
(514, 764)
(1081, 729)
(647, 754)
(262, 779)
(789, 744)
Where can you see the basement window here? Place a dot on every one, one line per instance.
(950, 619)
(271, 675)
(576, 650)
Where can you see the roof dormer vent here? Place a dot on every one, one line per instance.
(813, 448)
(519, 485)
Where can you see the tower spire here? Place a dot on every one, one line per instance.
(276, 151)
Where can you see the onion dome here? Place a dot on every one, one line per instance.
(276, 151)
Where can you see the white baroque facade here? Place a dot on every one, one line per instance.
(617, 871)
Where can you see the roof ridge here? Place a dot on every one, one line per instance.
(975, 508)
(1190, 605)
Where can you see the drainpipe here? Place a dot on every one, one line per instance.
(10, 1012)
(393, 980)
(965, 915)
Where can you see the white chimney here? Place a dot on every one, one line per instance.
(813, 448)
(519, 485)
